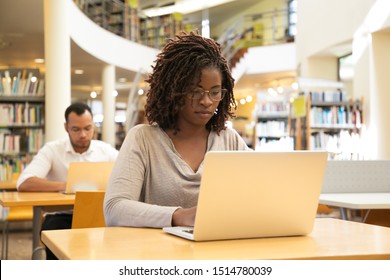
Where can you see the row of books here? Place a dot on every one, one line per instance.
(21, 114)
(272, 108)
(344, 145)
(9, 143)
(273, 145)
(11, 166)
(328, 96)
(271, 129)
(154, 31)
(5, 172)
(21, 84)
(335, 115)
(27, 141)
(119, 17)
(157, 22)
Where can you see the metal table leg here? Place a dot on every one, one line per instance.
(343, 213)
(36, 234)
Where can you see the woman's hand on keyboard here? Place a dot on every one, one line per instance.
(184, 217)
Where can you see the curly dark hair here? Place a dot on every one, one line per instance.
(178, 66)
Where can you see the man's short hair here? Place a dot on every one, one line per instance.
(78, 108)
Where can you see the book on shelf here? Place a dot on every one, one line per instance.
(271, 129)
(6, 81)
(35, 140)
(328, 96)
(1, 83)
(5, 171)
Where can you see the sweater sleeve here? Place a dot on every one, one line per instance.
(123, 204)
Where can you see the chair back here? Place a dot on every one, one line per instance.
(88, 209)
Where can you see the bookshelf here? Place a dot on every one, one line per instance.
(21, 118)
(332, 121)
(155, 30)
(271, 115)
(117, 16)
(328, 121)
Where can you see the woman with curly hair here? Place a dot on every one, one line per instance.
(156, 178)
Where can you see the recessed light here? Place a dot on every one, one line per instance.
(79, 71)
(122, 80)
(39, 60)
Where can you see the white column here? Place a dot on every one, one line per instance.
(57, 63)
(108, 127)
(379, 112)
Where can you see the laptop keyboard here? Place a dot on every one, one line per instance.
(189, 231)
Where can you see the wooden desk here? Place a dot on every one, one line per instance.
(39, 201)
(359, 201)
(330, 239)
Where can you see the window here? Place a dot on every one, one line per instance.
(292, 18)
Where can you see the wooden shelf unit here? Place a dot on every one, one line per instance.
(22, 106)
(331, 121)
(272, 120)
(154, 31)
(117, 16)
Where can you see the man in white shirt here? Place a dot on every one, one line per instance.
(49, 169)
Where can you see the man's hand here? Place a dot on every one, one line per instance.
(35, 184)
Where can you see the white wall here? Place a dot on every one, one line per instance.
(324, 67)
(324, 24)
(270, 59)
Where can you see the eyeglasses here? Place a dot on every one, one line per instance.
(214, 94)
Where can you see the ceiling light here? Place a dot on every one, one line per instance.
(184, 7)
(93, 94)
(79, 71)
(272, 92)
(140, 91)
(294, 85)
(249, 98)
(4, 44)
(115, 93)
(39, 60)
(122, 80)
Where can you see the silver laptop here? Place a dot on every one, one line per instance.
(84, 176)
(256, 194)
